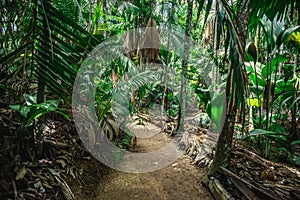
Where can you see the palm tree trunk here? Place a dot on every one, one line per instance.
(182, 107)
(164, 103)
(224, 144)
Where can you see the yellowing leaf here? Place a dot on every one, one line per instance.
(294, 38)
(21, 173)
(23, 55)
(253, 102)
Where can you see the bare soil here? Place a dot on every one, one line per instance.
(180, 180)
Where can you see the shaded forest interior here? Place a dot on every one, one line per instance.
(86, 87)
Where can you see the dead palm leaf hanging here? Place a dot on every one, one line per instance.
(149, 50)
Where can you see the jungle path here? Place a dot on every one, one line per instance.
(180, 180)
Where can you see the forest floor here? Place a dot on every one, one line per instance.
(65, 170)
(179, 180)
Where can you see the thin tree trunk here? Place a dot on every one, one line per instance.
(164, 103)
(38, 139)
(182, 107)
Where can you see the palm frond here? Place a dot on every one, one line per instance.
(56, 45)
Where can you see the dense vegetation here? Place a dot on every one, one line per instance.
(246, 54)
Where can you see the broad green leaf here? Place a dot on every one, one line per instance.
(295, 142)
(30, 100)
(259, 80)
(256, 132)
(23, 110)
(289, 35)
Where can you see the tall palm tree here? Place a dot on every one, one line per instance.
(248, 14)
(235, 80)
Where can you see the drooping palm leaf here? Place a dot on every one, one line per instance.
(55, 46)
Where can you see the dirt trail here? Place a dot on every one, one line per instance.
(180, 180)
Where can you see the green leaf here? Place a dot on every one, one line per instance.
(256, 132)
(208, 7)
(30, 100)
(295, 101)
(170, 96)
(34, 114)
(171, 112)
(253, 79)
(3, 87)
(295, 142)
(270, 69)
(285, 34)
(272, 29)
(49, 104)
(23, 110)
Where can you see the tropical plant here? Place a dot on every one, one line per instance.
(270, 15)
(43, 45)
(32, 110)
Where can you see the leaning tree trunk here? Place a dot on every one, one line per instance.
(234, 88)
